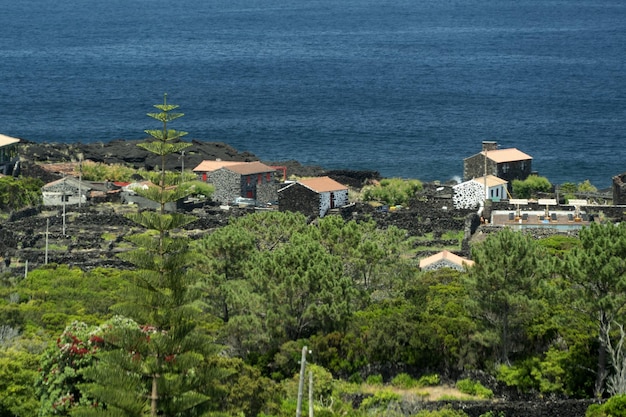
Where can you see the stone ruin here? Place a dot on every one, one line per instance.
(619, 190)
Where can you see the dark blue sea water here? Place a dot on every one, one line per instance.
(406, 87)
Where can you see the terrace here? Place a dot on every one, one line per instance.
(551, 217)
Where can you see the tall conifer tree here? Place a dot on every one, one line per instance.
(158, 366)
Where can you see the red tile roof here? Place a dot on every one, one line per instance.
(247, 168)
(209, 166)
(322, 184)
(445, 255)
(506, 155)
(7, 140)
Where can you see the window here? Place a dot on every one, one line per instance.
(505, 168)
(259, 179)
(268, 177)
(248, 179)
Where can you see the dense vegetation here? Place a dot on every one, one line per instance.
(530, 312)
(216, 326)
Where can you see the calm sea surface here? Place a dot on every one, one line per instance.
(406, 87)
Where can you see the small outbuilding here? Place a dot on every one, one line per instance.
(445, 259)
(471, 194)
(313, 196)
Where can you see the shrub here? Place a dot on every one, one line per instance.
(381, 399)
(403, 381)
(17, 193)
(531, 186)
(613, 407)
(392, 191)
(467, 386)
(429, 380)
(375, 380)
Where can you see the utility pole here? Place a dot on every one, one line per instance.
(301, 383)
(485, 178)
(310, 393)
(80, 180)
(64, 197)
(182, 169)
(47, 227)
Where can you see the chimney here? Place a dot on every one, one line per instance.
(489, 145)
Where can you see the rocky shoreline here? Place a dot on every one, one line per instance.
(126, 152)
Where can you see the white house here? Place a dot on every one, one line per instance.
(471, 194)
(67, 190)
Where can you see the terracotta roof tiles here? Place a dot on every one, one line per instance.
(506, 155)
(322, 184)
(445, 255)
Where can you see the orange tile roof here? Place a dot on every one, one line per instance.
(506, 155)
(322, 184)
(247, 168)
(7, 140)
(445, 255)
(492, 181)
(209, 166)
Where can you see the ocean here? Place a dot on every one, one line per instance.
(405, 87)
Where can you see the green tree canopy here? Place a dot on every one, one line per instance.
(504, 289)
(596, 272)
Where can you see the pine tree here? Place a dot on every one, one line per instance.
(505, 289)
(158, 366)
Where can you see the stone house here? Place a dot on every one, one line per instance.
(251, 180)
(9, 157)
(207, 167)
(67, 190)
(509, 164)
(313, 196)
(445, 259)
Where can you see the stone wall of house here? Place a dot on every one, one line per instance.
(228, 186)
(474, 167)
(324, 204)
(341, 198)
(468, 195)
(443, 263)
(267, 192)
(298, 198)
(516, 170)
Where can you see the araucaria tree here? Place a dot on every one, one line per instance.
(159, 366)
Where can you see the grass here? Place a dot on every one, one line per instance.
(434, 393)
(57, 247)
(108, 237)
